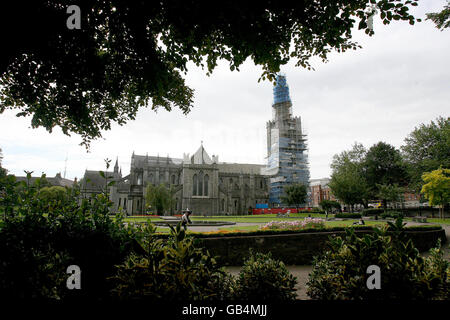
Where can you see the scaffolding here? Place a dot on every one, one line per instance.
(286, 145)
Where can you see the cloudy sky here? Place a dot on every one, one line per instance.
(398, 80)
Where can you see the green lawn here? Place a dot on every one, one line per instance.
(256, 218)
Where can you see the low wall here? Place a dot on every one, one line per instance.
(294, 249)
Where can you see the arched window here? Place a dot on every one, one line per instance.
(261, 183)
(223, 205)
(200, 184)
(139, 180)
(194, 185)
(151, 178)
(173, 179)
(205, 193)
(161, 177)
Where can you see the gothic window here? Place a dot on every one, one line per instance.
(194, 184)
(161, 177)
(261, 184)
(139, 180)
(200, 184)
(223, 204)
(151, 178)
(173, 179)
(205, 193)
(125, 203)
(138, 203)
(119, 201)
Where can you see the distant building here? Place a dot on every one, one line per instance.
(57, 180)
(320, 191)
(286, 145)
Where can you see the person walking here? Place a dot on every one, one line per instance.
(185, 218)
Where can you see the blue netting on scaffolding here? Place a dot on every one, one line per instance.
(281, 90)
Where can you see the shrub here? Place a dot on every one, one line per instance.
(348, 215)
(264, 278)
(372, 212)
(392, 214)
(36, 249)
(340, 273)
(170, 270)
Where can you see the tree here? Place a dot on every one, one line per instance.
(295, 194)
(383, 165)
(328, 205)
(390, 193)
(427, 148)
(441, 19)
(130, 54)
(348, 182)
(349, 186)
(159, 197)
(437, 188)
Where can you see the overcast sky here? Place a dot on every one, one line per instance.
(398, 80)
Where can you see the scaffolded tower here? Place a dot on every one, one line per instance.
(286, 144)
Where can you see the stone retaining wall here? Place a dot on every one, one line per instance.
(294, 249)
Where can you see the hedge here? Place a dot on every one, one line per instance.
(348, 215)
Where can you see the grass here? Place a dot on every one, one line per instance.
(255, 219)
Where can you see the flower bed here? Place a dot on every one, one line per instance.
(307, 223)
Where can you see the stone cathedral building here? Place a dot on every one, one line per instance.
(209, 187)
(201, 183)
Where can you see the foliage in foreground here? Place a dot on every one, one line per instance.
(264, 278)
(340, 273)
(176, 270)
(172, 270)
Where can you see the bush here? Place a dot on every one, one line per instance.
(264, 278)
(36, 249)
(348, 215)
(340, 273)
(392, 214)
(372, 212)
(170, 270)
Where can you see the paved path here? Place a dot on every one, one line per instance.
(215, 228)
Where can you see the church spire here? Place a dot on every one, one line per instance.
(116, 166)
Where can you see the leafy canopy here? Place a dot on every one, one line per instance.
(437, 186)
(131, 54)
(295, 194)
(427, 148)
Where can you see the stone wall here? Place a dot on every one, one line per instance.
(294, 249)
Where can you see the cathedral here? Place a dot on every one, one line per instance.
(200, 182)
(207, 186)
